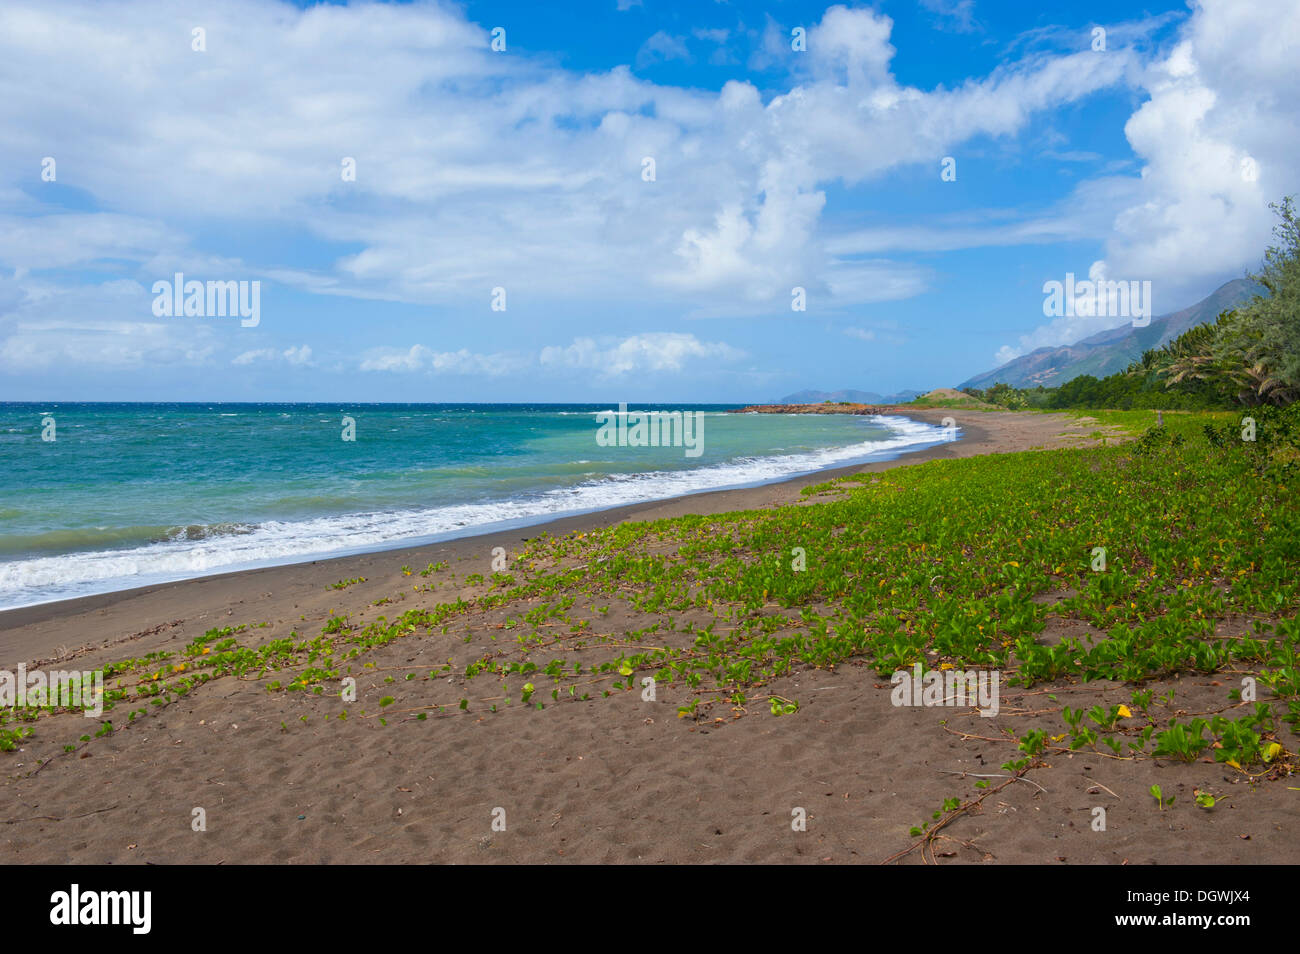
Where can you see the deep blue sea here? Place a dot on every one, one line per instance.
(132, 494)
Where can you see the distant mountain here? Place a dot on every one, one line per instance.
(1115, 349)
(850, 395)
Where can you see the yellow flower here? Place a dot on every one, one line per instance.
(1124, 712)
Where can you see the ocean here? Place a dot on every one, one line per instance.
(133, 494)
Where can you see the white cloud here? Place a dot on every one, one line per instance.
(61, 240)
(251, 357)
(1070, 328)
(440, 211)
(298, 355)
(420, 358)
(648, 353)
(852, 46)
(653, 352)
(45, 327)
(1087, 213)
(715, 35)
(1216, 139)
(955, 15)
(113, 345)
(881, 332)
(662, 47)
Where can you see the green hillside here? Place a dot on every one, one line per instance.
(1110, 352)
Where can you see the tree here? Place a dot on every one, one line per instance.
(1260, 348)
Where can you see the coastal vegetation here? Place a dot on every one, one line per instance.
(1249, 357)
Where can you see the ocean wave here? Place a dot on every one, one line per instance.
(194, 551)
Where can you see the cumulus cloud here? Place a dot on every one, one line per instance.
(653, 352)
(252, 357)
(1217, 141)
(1215, 138)
(297, 355)
(420, 358)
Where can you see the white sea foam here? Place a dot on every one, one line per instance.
(43, 579)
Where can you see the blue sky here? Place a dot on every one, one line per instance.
(524, 169)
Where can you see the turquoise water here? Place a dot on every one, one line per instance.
(130, 494)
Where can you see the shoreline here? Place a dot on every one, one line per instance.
(501, 527)
(153, 615)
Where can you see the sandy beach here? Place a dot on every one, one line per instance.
(187, 608)
(280, 778)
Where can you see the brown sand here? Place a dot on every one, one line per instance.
(615, 779)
